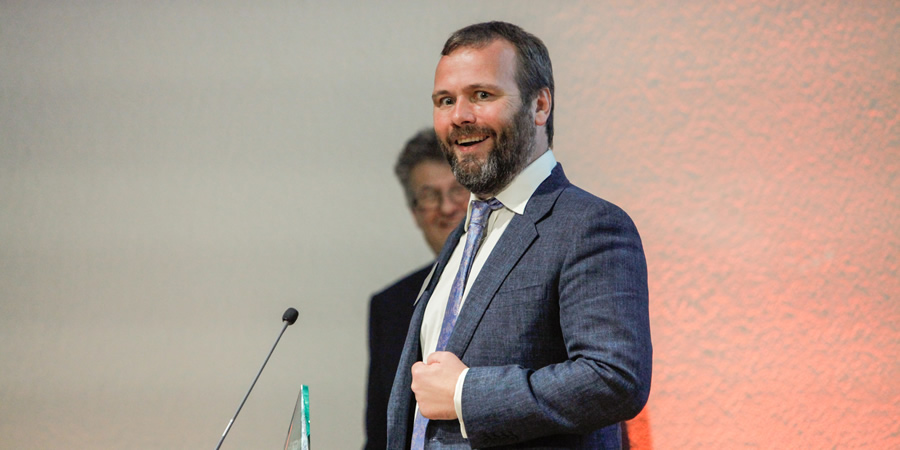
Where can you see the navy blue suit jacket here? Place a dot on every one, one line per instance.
(389, 314)
(555, 330)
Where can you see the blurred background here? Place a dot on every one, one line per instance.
(174, 175)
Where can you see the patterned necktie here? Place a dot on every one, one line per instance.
(481, 210)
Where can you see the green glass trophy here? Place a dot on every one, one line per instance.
(298, 433)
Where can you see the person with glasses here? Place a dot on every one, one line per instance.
(438, 204)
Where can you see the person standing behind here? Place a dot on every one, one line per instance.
(438, 204)
(534, 330)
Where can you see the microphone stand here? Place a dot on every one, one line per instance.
(290, 316)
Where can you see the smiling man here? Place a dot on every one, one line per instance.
(533, 331)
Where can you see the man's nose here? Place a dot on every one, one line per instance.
(449, 205)
(462, 112)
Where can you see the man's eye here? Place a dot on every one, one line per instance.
(446, 101)
(481, 95)
(428, 198)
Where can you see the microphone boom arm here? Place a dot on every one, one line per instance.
(290, 316)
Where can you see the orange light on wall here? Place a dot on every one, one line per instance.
(756, 145)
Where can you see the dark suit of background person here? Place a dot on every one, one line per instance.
(438, 203)
(389, 314)
(555, 328)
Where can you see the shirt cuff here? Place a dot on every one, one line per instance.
(457, 401)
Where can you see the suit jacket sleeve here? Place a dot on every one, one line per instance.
(585, 276)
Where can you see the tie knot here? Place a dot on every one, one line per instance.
(482, 208)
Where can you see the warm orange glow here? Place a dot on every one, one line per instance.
(756, 146)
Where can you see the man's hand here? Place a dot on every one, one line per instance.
(434, 384)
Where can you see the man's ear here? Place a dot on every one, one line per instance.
(542, 106)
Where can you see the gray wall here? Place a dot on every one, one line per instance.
(173, 176)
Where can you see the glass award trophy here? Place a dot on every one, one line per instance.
(298, 433)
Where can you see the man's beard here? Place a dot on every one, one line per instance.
(512, 148)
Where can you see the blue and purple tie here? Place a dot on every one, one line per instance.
(481, 210)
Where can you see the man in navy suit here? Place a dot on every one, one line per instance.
(551, 346)
(438, 204)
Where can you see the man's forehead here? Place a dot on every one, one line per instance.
(473, 67)
(479, 44)
(432, 174)
(498, 50)
(431, 170)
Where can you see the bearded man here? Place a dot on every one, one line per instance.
(533, 329)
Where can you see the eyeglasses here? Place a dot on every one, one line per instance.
(429, 198)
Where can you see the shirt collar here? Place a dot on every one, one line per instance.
(515, 196)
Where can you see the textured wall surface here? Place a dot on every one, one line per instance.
(169, 174)
(757, 145)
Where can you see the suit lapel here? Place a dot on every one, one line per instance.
(516, 239)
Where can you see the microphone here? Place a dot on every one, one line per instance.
(289, 317)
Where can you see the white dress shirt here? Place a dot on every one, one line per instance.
(514, 198)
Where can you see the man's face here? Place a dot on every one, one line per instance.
(441, 201)
(482, 125)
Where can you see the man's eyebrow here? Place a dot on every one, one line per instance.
(490, 87)
(440, 93)
(471, 87)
